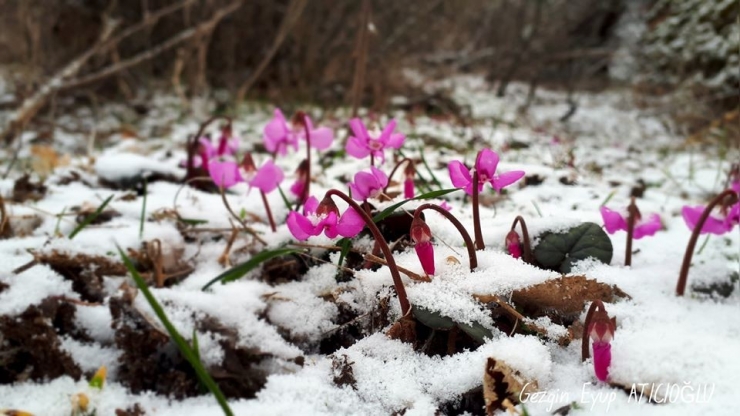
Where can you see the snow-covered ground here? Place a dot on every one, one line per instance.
(682, 348)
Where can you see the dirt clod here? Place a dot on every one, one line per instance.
(85, 272)
(342, 371)
(30, 348)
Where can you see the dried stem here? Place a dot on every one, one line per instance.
(268, 211)
(631, 218)
(397, 282)
(154, 251)
(472, 257)
(244, 225)
(4, 220)
(479, 245)
(360, 54)
(393, 171)
(596, 304)
(527, 245)
(224, 258)
(684, 273)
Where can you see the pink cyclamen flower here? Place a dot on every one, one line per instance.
(408, 183)
(713, 224)
(422, 237)
(324, 217)
(513, 244)
(279, 135)
(227, 173)
(299, 186)
(368, 185)
(601, 332)
(615, 221)
(362, 144)
(486, 164)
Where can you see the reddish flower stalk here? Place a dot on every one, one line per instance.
(683, 275)
(397, 282)
(526, 244)
(633, 215)
(479, 245)
(409, 172)
(192, 146)
(268, 211)
(301, 117)
(598, 328)
(472, 256)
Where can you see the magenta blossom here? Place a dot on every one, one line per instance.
(713, 224)
(513, 244)
(486, 164)
(368, 185)
(615, 221)
(279, 135)
(601, 332)
(408, 183)
(227, 173)
(362, 144)
(324, 217)
(422, 237)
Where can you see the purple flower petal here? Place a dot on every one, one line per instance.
(225, 174)
(357, 148)
(380, 177)
(459, 174)
(385, 135)
(321, 138)
(425, 252)
(613, 221)
(268, 177)
(513, 245)
(486, 164)
(647, 228)
(311, 205)
(350, 224)
(396, 140)
(505, 179)
(602, 359)
(298, 224)
(275, 134)
(408, 188)
(359, 129)
(712, 225)
(207, 148)
(329, 225)
(363, 186)
(298, 187)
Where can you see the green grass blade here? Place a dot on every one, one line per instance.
(143, 213)
(90, 218)
(238, 271)
(285, 198)
(426, 165)
(183, 345)
(608, 198)
(192, 221)
(429, 195)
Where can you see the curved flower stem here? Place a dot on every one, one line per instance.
(631, 217)
(244, 225)
(397, 282)
(479, 245)
(268, 211)
(596, 304)
(192, 145)
(393, 171)
(372, 159)
(302, 198)
(473, 258)
(527, 245)
(684, 273)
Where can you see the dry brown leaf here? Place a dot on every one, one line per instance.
(502, 384)
(46, 159)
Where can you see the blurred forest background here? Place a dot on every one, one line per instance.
(355, 52)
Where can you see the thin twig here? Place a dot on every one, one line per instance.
(244, 225)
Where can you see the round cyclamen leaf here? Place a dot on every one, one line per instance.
(432, 319)
(559, 251)
(476, 331)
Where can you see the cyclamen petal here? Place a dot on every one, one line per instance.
(513, 245)
(322, 138)
(505, 179)
(357, 148)
(613, 221)
(459, 174)
(268, 177)
(487, 162)
(299, 225)
(396, 140)
(328, 225)
(647, 228)
(225, 174)
(350, 223)
(712, 225)
(602, 359)
(408, 188)
(425, 252)
(385, 135)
